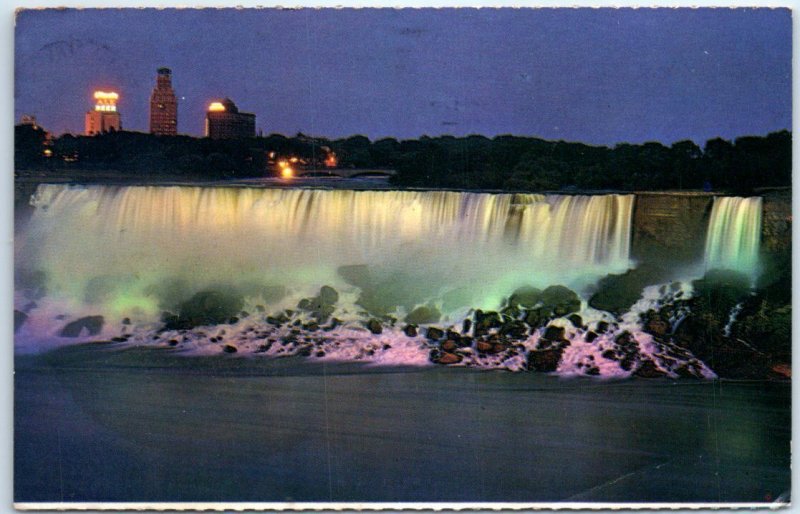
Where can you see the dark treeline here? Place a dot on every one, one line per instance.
(517, 163)
(473, 162)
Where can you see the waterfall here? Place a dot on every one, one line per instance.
(734, 234)
(121, 245)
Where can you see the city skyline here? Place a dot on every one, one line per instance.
(600, 76)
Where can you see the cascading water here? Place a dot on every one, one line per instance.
(124, 255)
(125, 241)
(734, 234)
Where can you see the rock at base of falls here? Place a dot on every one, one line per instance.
(92, 324)
(544, 360)
(205, 308)
(423, 314)
(19, 319)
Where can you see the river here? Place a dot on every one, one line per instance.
(95, 423)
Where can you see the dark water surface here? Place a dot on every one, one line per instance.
(94, 423)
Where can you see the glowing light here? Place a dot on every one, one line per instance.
(331, 161)
(216, 107)
(103, 95)
(294, 159)
(48, 152)
(105, 101)
(283, 164)
(287, 172)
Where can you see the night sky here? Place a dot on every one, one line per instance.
(599, 76)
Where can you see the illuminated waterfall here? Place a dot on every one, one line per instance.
(734, 234)
(125, 241)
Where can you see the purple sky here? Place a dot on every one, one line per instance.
(599, 76)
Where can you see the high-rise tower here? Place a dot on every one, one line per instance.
(163, 106)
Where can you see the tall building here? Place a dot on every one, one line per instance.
(224, 121)
(163, 105)
(104, 117)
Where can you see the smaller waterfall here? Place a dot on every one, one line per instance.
(734, 234)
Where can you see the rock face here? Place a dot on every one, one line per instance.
(670, 227)
(92, 324)
(737, 331)
(776, 228)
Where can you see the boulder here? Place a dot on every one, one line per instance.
(553, 333)
(205, 308)
(278, 319)
(616, 293)
(449, 345)
(334, 323)
(321, 306)
(526, 296)
(561, 300)
(423, 314)
(385, 295)
(657, 327)
(499, 347)
(328, 295)
(536, 318)
(648, 369)
(449, 358)
(783, 370)
(434, 334)
(483, 346)
(229, 349)
(357, 275)
(19, 319)
(544, 360)
(484, 321)
(92, 324)
(576, 320)
(410, 330)
(514, 329)
(511, 312)
(374, 326)
(272, 294)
